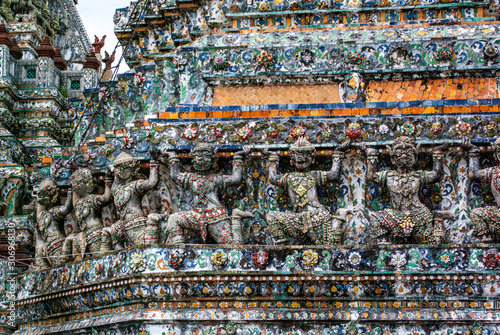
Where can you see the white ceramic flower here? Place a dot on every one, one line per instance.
(383, 129)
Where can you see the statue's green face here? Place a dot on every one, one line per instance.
(124, 173)
(404, 156)
(302, 159)
(202, 160)
(48, 197)
(127, 170)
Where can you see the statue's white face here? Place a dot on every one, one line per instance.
(85, 186)
(302, 160)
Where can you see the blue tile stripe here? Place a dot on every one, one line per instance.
(386, 104)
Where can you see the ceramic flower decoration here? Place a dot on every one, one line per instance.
(408, 129)
(353, 130)
(462, 128)
(260, 258)
(265, 59)
(244, 133)
(436, 128)
(298, 131)
(220, 61)
(190, 133)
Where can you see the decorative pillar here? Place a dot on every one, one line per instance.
(5, 43)
(45, 71)
(90, 70)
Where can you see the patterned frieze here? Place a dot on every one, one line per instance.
(14, 94)
(312, 19)
(294, 293)
(160, 33)
(190, 75)
(281, 264)
(366, 285)
(158, 310)
(326, 131)
(101, 326)
(333, 52)
(291, 6)
(163, 31)
(275, 8)
(50, 107)
(279, 322)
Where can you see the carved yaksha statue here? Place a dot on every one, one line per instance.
(128, 190)
(408, 218)
(208, 215)
(486, 220)
(309, 219)
(53, 248)
(88, 214)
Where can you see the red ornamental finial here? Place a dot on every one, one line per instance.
(45, 49)
(4, 35)
(14, 49)
(59, 61)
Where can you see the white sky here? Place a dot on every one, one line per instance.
(97, 16)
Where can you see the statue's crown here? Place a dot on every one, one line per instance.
(80, 175)
(302, 144)
(203, 147)
(404, 142)
(123, 158)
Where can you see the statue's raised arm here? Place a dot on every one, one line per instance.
(475, 173)
(485, 220)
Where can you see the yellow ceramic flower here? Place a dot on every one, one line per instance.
(310, 258)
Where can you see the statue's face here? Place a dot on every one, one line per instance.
(202, 160)
(302, 159)
(404, 156)
(48, 197)
(85, 186)
(497, 153)
(126, 171)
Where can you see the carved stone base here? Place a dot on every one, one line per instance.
(268, 290)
